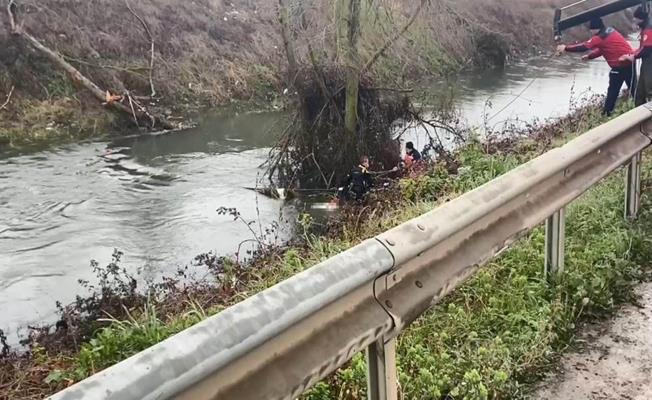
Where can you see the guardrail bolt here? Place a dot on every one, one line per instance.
(419, 284)
(391, 242)
(389, 304)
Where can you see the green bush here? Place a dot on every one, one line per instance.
(503, 328)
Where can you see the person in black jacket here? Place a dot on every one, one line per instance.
(411, 152)
(357, 183)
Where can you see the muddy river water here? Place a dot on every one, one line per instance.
(155, 198)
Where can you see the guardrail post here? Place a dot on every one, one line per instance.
(633, 188)
(555, 237)
(382, 380)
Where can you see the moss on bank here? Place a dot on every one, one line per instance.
(59, 120)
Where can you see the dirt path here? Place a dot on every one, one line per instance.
(615, 361)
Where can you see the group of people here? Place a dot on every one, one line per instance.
(607, 42)
(360, 180)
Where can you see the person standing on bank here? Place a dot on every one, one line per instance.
(644, 53)
(608, 43)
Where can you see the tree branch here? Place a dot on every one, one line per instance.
(11, 11)
(151, 41)
(4, 105)
(134, 70)
(397, 90)
(394, 38)
(322, 82)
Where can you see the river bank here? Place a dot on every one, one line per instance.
(200, 58)
(155, 198)
(496, 319)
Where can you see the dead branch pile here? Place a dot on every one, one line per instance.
(315, 150)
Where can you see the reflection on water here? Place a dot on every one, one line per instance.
(539, 89)
(155, 197)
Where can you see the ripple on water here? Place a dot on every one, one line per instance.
(39, 247)
(155, 198)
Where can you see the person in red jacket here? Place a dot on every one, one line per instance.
(608, 43)
(644, 53)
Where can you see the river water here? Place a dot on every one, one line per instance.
(155, 198)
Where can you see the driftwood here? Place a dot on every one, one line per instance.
(140, 115)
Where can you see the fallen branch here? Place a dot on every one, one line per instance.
(326, 181)
(134, 71)
(151, 41)
(4, 105)
(397, 90)
(133, 110)
(106, 98)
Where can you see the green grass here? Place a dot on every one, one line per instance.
(506, 326)
(54, 121)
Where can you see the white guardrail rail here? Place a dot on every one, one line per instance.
(278, 343)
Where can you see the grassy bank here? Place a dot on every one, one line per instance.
(210, 53)
(501, 330)
(488, 340)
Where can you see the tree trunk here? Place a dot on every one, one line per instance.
(348, 28)
(288, 43)
(340, 28)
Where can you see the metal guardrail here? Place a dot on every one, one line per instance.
(602, 10)
(278, 343)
